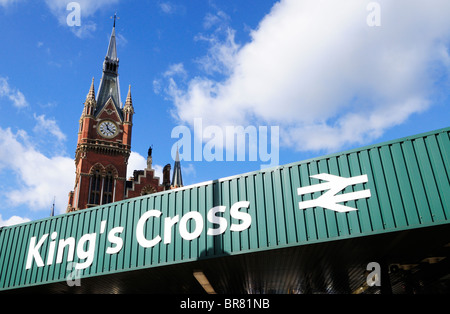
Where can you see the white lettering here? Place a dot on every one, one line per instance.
(184, 144)
(245, 217)
(115, 240)
(222, 222)
(190, 227)
(374, 17)
(87, 254)
(185, 234)
(73, 278)
(274, 155)
(374, 278)
(51, 249)
(234, 139)
(240, 133)
(192, 304)
(33, 252)
(74, 17)
(63, 243)
(213, 149)
(198, 134)
(140, 236)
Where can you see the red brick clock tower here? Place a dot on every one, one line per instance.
(104, 140)
(104, 146)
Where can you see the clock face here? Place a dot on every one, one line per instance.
(108, 129)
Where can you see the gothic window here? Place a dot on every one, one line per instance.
(95, 188)
(108, 186)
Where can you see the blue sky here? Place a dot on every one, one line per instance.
(322, 72)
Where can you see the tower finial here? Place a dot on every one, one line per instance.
(112, 50)
(177, 180)
(91, 95)
(128, 101)
(115, 18)
(90, 104)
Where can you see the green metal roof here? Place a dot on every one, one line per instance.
(408, 184)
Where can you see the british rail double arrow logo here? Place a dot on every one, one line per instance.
(334, 185)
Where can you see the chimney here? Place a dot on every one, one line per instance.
(166, 177)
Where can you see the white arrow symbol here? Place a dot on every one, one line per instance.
(334, 184)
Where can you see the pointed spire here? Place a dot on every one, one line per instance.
(128, 109)
(90, 102)
(52, 213)
(177, 158)
(112, 51)
(129, 101)
(109, 84)
(177, 180)
(91, 94)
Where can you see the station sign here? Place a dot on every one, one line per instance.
(397, 185)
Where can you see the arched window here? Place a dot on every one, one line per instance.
(95, 188)
(108, 186)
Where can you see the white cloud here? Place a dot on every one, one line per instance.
(50, 126)
(219, 19)
(316, 69)
(158, 172)
(121, 41)
(188, 170)
(176, 69)
(221, 57)
(5, 3)
(87, 9)
(16, 96)
(137, 162)
(40, 178)
(168, 7)
(13, 220)
(157, 86)
(84, 30)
